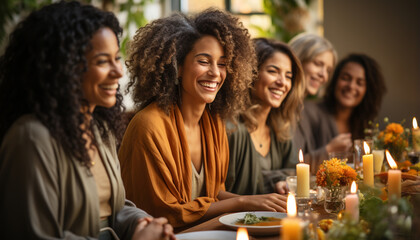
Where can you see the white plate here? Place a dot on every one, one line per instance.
(229, 220)
(207, 235)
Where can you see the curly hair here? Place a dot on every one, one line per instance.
(159, 48)
(41, 73)
(371, 103)
(284, 118)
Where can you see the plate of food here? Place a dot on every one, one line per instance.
(257, 223)
(207, 235)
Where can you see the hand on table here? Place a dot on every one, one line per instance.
(153, 229)
(281, 187)
(266, 202)
(341, 143)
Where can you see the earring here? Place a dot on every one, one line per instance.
(177, 80)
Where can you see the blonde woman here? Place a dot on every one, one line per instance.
(318, 58)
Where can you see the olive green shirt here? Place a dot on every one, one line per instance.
(245, 174)
(47, 194)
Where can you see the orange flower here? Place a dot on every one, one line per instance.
(395, 128)
(334, 173)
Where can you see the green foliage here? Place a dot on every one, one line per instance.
(133, 8)
(385, 220)
(279, 10)
(346, 229)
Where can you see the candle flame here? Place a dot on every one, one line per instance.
(300, 156)
(291, 205)
(415, 126)
(366, 147)
(242, 234)
(353, 188)
(390, 160)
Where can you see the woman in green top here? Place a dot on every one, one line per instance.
(261, 145)
(60, 112)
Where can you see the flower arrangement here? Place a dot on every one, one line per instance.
(335, 173)
(394, 138)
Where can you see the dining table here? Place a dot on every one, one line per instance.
(316, 213)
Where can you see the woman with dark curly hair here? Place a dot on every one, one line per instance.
(260, 147)
(60, 112)
(354, 95)
(188, 75)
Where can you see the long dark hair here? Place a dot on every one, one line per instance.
(371, 103)
(41, 73)
(282, 119)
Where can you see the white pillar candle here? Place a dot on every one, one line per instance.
(291, 226)
(367, 166)
(416, 136)
(303, 180)
(394, 178)
(378, 159)
(352, 202)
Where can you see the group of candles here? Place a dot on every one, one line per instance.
(292, 225)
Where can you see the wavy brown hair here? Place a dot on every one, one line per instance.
(159, 48)
(41, 73)
(284, 118)
(372, 101)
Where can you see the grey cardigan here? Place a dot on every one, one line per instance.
(244, 173)
(46, 194)
(315, 130)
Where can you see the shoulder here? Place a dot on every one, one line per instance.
(150, 118)
(238, 130)
(27, 128)
(27, 139)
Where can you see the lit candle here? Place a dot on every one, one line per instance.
(291, 229)
(302, 173)
(242, 234)
(367, 166)
(352, 202)
(394, 178)
(416, 136)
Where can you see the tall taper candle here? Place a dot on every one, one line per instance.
(302, 173)
(368, 166)
(394, 178)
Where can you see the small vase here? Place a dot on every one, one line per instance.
(334, 199)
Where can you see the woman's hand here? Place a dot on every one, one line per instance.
(153, 229)
(341, 143)
(281, 187)
(266, 202)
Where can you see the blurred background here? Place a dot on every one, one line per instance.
(387, 30)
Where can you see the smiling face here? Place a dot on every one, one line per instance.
(351, 85)
(104, 69)
(317, 71)
(274, 80)
(203, 71)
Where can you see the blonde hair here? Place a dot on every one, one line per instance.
(307, 46)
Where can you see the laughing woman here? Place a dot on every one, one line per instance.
(60, 111)
(188, 74)
(261, 145)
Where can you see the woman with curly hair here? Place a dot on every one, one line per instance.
(354, 95)
(260, 147)
(60, 112)
(188, 75)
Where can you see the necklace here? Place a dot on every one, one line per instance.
(263, 139)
